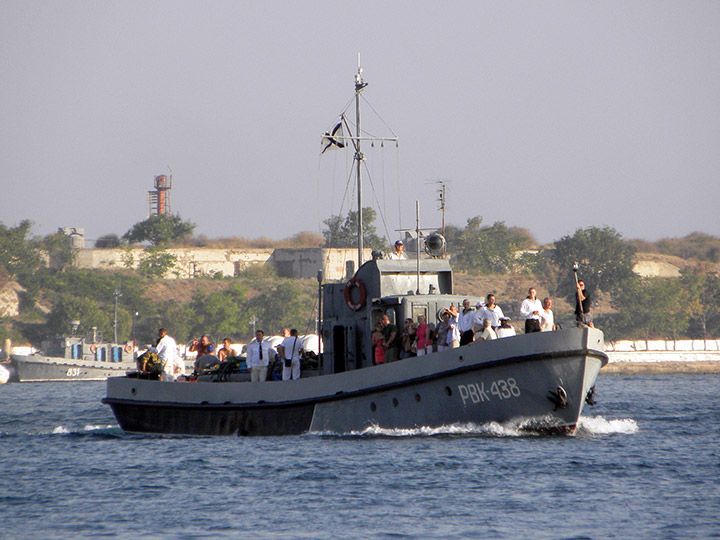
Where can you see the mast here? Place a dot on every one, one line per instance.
(359, 85)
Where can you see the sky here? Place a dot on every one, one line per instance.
(551, 116)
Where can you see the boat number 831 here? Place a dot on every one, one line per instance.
(478, 392)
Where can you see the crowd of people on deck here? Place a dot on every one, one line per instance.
(263, 360)
(484, 321)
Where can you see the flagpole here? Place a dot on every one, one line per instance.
(359, 85)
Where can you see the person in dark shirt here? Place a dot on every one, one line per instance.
(391, 340)
(582, 306)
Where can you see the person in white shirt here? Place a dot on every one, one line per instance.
(453, 334)
(259, 354)
(487, 332)
(166, 349)
(465, 323)
(547, 318)
(505, 329)
(489, 311)
(398, 254)
(530, 309)
(290, 350)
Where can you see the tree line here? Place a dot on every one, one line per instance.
(55, 293)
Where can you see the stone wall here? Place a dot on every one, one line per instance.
(195, 262)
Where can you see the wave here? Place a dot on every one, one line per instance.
(597, 425)
(94, 430)
(517, 428)
(491, 429)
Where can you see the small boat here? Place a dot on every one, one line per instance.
(74, 358)
(539, 381)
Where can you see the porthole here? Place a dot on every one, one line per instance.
(395, 402)
(448, 391)
(132, 391)
(373, 407)
(418, 398)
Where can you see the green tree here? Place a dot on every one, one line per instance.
(177, 317)
(696, 245)
(342, 233)
(282, 305)
(18, 256)
(488, 249)
(89, 296)
(221, 314)
(156, 263)
(703, 302)
(160, 229)
(650, 308)
(60, 251)
(90, 313)
(606, 260)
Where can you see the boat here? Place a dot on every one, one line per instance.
(539, 381)
(74, 358)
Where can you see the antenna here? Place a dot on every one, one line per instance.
(442, 205)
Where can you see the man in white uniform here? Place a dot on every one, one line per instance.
(166, 349)
(465, 323)
(258, 357)
(290, 350)
(530, 309)
(489, 311)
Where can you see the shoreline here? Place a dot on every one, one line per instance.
(664, 367)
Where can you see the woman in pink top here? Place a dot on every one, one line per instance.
(378, 345)
(424, 344)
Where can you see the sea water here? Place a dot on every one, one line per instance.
(645, 463)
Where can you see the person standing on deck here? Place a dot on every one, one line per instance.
(582, 306)
(490, 311)
(547, 318)
(453, 334)
(530, 309)
(168, 357)
(290, 350)
(465, 323)
(391, 340)
(422, 335)
(259, 355)
(441, 330)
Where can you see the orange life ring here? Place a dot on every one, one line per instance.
(93, 348)
(355, 305)
(128, 348)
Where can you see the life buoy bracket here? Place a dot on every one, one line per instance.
(355, 301)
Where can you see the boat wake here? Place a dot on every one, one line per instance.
(91, 430)
(490, 429)
(519, 428)
(597, 425)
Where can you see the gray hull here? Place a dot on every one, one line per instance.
(505, 380)
(39, 368)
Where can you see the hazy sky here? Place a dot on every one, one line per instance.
(547, 115)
